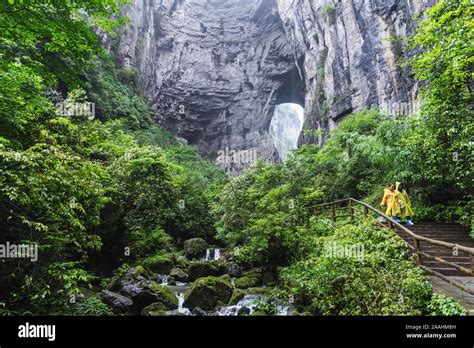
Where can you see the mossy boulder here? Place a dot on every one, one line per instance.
(179, 275)
(243, 311)
(131, 275)
(249, 280)
(144, 293)
(159, 263)
(182, 262)
(202, 268)
(195, 248)
(226, 277)
(154, 309)
(164, 295)
(119, 303)
(207, 293)
(237, 295)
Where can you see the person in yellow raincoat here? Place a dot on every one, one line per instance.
(405, 206)
(391, 200)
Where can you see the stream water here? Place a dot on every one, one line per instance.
(247, 304)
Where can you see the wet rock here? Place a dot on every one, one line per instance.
(237, 295)
(234, 270)
(144, 293)
(161, 264)
(132, 275)
(207, 293)
(182, 262)
(198, 312)
(119, 303)
(154, 309)
(195, 248)
(249, 280)
(243, 311)
(199, 269)
(226, 277)
(179, 275)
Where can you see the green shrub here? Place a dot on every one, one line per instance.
(92, 306)
(383, 282)
(443, 305)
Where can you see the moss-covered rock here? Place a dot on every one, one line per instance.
(182, 262)
(202, 268)
(159, 263)
(237, 295)
(144, 293)
(207, 293)
(154, 309)
(164, 295)
(179, 274)
(195, 248)
(226, 277)
(259, 314)
(249, 280)
(257, 291)
(243, 311)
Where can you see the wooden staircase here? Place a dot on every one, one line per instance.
(445, 251)
(450, 233)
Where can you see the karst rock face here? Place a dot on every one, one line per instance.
(213, 70)
(352, 51)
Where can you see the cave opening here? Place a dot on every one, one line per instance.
(285, 128)
(287, 120)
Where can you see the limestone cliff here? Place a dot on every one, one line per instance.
(213, 70)
(351, 51)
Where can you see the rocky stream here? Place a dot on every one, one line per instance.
(200, 280)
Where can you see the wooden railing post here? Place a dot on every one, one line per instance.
(333, 212)
(351, 210)
(417, 250)
(366, 211)
(472, 264)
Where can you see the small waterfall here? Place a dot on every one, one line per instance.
(249, 301)
(164, 280)
(181, 309)
(213, 255)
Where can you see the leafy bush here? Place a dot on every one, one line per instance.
(443, 305)
(383, 282)
(92, 306)
(261, 214)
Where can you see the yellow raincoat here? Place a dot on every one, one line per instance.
(391, 199)
(405, 206)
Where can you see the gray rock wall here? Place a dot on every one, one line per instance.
(351, 51)
(213, 70)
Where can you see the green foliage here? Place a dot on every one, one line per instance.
(22, 105)
(80, 189)
(443, 305)
(92, 306)
(441, 136)
(328, 9)
(382, 282)
(261, 213)
(115, 93)
(54, 37)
